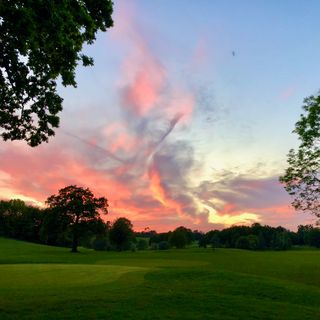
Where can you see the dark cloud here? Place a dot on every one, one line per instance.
(244, 192)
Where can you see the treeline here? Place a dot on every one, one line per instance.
(255, 237)
(21, 221)
(48, 226)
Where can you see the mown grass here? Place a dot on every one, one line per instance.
(41, 282)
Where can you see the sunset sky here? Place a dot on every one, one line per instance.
(186, 116)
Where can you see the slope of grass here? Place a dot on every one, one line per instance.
(41, 282)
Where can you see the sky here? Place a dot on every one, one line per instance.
(186, 117)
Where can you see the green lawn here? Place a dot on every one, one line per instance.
(41, 282)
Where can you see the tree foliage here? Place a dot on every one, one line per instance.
(121, 234)
(302, 177)
(179, 238)
(20, 221)
(40, 41)
(79, 210)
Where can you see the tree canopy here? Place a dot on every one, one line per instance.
(302, 177)
(42, 40)
(121, 233)
(79, 207)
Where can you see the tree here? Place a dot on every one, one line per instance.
(142, 244)
(281, 240)
(40, 41)
(302, 177)
(121, 234)
(19, 220)
(179, 238)
(79, 208)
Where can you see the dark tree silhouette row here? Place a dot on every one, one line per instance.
(72, 218)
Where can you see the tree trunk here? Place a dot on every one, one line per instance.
(74, 242)
(75, 236)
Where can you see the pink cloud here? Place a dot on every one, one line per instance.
(143, 91)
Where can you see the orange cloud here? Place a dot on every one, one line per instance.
(162, 195)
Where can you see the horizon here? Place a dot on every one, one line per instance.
(186, 117)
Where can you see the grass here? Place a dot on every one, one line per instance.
(41, 282)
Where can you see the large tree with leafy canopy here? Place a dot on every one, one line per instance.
(40, 41)
(79, 207)
(302, 177)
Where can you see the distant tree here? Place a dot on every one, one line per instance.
(242, 242)
(304, 234)
(261, 241)
(197, 235)
(142, 244)
(202, 242)
(79, 209)
(302, 177)
(19, 220)
(188, 233)
(41, 41)
(179, 238)
(215, 240)
(250, 242)
(146, 233)
(314, 238)
(281, 240)
(164, 245)
(158, 237)
(121, 234)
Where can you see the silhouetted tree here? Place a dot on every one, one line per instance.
(281, 240)
(164, 245)
(19, 220)
(79, 208)
(142, 244)
(304, 233)
(41, 41)
(202, 242)
(314, 238)
(179, 238)
(55, 229)
(215, 240)
(121, 234)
